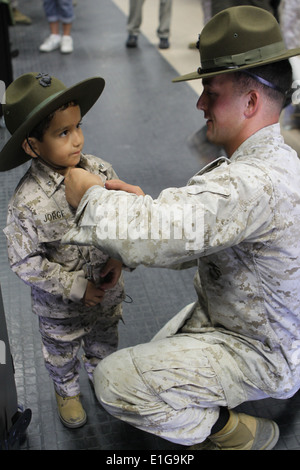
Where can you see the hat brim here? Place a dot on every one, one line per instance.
(196, 75)
(85, 93)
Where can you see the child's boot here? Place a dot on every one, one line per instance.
(70, 411)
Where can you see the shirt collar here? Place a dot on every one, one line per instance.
(46, 178)
(263, 138)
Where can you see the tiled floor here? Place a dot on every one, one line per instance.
(141, 124)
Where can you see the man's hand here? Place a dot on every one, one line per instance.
(111, 273)
(77, 182)
(119, 185)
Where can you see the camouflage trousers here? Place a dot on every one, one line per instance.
(169, 387)
(95, 332)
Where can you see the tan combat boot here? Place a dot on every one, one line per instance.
(244, 432)
(70, 411)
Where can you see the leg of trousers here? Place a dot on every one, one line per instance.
(59, 10)
(166, 387)
(165, 10)
(62, 338)
(135, 16)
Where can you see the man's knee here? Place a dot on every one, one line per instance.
(104, 378)
(114, 378)
(119, 385)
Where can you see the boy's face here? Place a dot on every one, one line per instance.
(62, 141)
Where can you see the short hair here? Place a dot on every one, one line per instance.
(39, 131)
(279, 74)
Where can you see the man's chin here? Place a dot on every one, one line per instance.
(209, 136)
(213, 140)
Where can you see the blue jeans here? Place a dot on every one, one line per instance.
(59, 10)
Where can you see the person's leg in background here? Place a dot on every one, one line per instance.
(19, 17)
(163, 31)
(58, 12)
(134, 22)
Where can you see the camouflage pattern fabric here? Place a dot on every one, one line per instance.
(244, 235)
(38, 217)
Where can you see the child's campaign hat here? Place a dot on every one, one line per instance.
(239, 38)
(31, 98)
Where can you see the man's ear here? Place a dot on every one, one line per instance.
(29, 147)
(252, 103)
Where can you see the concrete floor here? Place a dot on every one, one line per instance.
(141, 124)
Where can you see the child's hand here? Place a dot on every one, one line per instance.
(111, 273)
(93, 295)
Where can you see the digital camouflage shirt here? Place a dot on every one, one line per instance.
(38, 217)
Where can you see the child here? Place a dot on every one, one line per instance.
(76, 291)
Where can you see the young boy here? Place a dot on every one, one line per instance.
(76, 291)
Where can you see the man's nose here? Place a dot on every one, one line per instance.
(200, 103)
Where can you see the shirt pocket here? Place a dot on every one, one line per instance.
(50, 235)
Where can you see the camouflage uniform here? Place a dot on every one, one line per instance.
(241, 339)
(38, 217)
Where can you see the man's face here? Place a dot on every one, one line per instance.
(223, 109)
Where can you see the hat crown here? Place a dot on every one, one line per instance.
(232, 31)
(26, 94)
(239, 38)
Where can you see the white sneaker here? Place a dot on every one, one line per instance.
(66, 45)
(51, 43)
